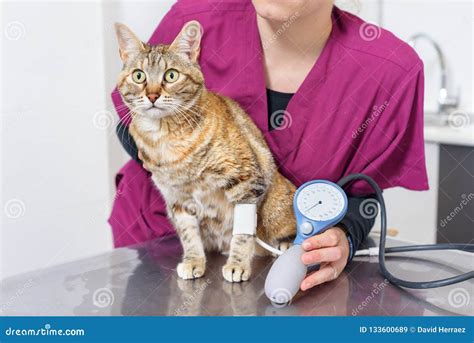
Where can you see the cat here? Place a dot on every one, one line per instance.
(204, 153)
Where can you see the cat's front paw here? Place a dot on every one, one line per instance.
(191, 269)
(284, 245)
(236, 272)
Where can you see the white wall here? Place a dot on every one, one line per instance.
(59, 148)
(449, 22)
(54, 135)
(369, 10)
(414, 214)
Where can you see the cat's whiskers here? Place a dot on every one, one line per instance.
(186, 114)
(125, 106)
(182, 114)
(122, 120)
(129, 112)
(197, 110)
(186, 110)
(127, 116)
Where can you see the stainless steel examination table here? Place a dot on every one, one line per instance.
(142, 280)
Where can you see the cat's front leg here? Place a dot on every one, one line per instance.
(239, 263)
(186, 223)
(244, 194)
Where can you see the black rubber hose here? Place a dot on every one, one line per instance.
(383, 234)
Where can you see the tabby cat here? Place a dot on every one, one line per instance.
(204, 152)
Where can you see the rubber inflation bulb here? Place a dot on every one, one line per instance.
(285, 276)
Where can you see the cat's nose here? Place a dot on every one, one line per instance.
(153, 97)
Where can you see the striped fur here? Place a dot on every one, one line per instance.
(205, 155)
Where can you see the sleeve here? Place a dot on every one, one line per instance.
(165, 33)
(127, 141)
(392, 151)
(358, 221)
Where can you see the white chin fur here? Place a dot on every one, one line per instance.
(154, 112)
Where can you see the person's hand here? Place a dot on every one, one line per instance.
(331, 250)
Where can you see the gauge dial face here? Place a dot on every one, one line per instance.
(320, 201)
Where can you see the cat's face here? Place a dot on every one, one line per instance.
(158, 81)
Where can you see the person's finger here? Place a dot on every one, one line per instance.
(329, 238)
(322, 255)
(327, 273)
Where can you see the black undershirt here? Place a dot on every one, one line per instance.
(277, 103)
(356, 225)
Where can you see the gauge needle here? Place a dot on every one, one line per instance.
(318, 203)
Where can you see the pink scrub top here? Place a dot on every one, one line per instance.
(360, 109)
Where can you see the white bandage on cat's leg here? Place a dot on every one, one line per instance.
(245, 219)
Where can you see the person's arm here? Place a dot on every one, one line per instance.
(358, 221)
(127, 141)
(400, 163)
(334, 248)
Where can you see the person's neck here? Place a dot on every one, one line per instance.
(293, 44)
(309, 33)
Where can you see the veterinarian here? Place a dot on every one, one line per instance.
(332, 94)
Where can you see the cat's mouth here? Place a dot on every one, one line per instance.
(152, 111)
(156, 111)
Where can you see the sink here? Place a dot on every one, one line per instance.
(436, 119)
(456, 119)
(456, 128)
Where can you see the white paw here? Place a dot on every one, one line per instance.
(284, 246)
(234, 272)
(191, 269)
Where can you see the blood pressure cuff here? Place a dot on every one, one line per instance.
(359, 220)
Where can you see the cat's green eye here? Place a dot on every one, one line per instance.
(171, 75)
(138, 76)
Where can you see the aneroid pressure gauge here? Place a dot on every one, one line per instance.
(318, 205)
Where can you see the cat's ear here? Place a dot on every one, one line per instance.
(129, 44)
(188, 41)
